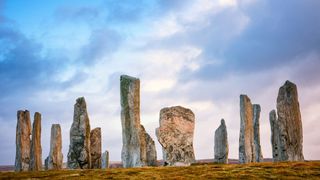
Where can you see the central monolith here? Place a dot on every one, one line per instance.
(246, 139)
(175, 134)
(79, 155)
(55, 159)
(95, 143)
(256, 129)
(135, 142)
(289, 121)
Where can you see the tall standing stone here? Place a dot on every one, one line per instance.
(256, 128)
(290, 125)
(79, 155)
(275, 138)
(246, 139)
(175, 135)
(221, 147)
(55, 159)
(134, 140)
(95, 142)
(23, 132)
(105, 160)
(36, 151)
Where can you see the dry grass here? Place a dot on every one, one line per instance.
(287, 170)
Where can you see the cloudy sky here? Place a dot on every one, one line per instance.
(201, 54)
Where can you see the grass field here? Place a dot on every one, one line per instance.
(287, 170)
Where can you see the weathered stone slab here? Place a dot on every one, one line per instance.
(95, 142)
(36, 150)
(175, 134)
(256, 128)
(79, 155)
(221, 147)
(290, 125)
(246, 139)
(275, 138)
(23, 132)
(55, 159)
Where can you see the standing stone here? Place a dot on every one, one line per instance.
(221, 148)
(134, 140)
(150, 154)
(246, 140)
(290, 125)
(105, 160)
(95, 142)
(36, 151)
(275, 138)
(175, 134)
(79, 155)
(55, 159)
(23, 133)
(256, 128)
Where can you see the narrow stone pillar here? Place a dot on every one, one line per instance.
(36, 150)
(275, 138)
(221, 147)
(55, 159)
(95, 143)
(23, 132)
(246, 139)
(105, 160)
(256, 128)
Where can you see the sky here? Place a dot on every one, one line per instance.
(200, 54)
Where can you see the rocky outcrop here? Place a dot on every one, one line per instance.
(55, 159)
(23, 132)
(95, 143)
(256, 129)
(289, 121)
(221, 147)
(175, 134)
(79, 155)
(275, 138)
(36, 151)
(134, 138)
(246, 139)
(105, 160)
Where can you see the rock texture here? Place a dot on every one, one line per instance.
(23, 132)
(79, 155)
(175, 134)
(290, 125)
(134, 138)
(36, 150)
(149, 154)
(275, 138)
(221, 147)
(105, 160)
(246, 139)
(95, 150)
(55, 159)
(256, 129)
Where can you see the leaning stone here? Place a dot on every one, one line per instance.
(134, 140)
(79, 155)
(290, 125)
(246, 140)
(221, 148)
(256, 128)
(105, 160)
(23, 132)
(175, 135)
(95, 143)
(36, 151)
(148, 149)
(55, 159)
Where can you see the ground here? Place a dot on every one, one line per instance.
(286, 170)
